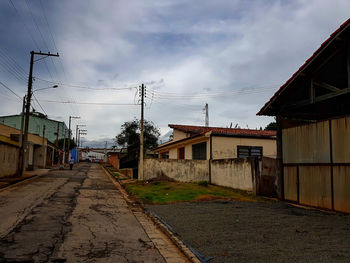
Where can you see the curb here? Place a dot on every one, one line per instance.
(132, 203)
(24, 180)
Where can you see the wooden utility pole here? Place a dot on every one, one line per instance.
(64, 144)
(58, 129)
(20, 157)
(28, 100)
(69, 131)
(141, 134)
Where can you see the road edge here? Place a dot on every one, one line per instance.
(163, 228)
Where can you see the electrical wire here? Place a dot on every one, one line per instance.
(82, 87)
(171, 96)
(6, 87)
(90, 103)
(39, 104)
(52, 37)
(25, 25)
(42, 37)
(12, 63)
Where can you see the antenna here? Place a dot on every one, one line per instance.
(206, 115)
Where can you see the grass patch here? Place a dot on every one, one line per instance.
(163, 192)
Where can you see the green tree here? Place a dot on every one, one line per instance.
(272, 126)
(130, 137)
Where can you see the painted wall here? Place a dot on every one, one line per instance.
(36, 125)
(178, 135)
(234, 173)
(8, 159)
(226, 147)
(179, 170)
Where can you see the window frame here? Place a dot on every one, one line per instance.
(249, 148)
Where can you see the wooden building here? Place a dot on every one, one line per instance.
(313, 115)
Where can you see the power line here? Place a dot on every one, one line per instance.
(25, 25)
(171, 96)
(39, 104)
(90, 103)
(41, 35)
(82, 87)
(12, 62)
(52, 36)
(10, 90)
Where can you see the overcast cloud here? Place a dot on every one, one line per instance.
(230, 54)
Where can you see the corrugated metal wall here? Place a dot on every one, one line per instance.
(314, 174)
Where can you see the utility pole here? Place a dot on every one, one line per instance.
(77, 138)
(44, 128)
(28, 100)
(81, 132)
(69, 131)
(64, 143)
(141, 134)
(105, 158)
(20, 158)
(206, 115)
(58, 129)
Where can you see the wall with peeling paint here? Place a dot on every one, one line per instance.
(179, 170)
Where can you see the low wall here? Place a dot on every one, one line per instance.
(114, 161)
(9, 160)
(179, 170)
(234, 173)
(126, 171)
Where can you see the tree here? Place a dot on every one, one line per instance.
(272, 126)
(130, 137)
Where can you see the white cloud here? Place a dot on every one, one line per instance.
(193, 47)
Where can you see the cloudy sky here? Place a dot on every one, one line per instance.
(230, 54)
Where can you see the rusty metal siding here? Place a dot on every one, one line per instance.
(307, 143)
(341, 140)
(290, 183)
(341, 181)
(315, 186)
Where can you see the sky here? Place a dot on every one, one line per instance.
(231, 54)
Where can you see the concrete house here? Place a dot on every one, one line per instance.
(313, 117)
(204, 143)
(38, 124)
(34, 158)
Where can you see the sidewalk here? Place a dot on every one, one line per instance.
(7, 181)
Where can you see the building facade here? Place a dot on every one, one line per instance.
(312, 112)
(38, 124)
(205, 143)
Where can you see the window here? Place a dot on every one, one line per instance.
(247, 151)
(199, 151)
(181, 153)
(164, 155)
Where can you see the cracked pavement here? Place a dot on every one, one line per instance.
(71, 216)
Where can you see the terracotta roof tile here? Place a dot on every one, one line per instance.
(218, 130)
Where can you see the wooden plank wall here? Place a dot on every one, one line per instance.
(316, 160)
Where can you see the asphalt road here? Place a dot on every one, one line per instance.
(71, 216)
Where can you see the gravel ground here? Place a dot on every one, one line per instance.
(234, 231)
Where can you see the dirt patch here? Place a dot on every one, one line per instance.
(235, 231)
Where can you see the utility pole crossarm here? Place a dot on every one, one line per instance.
(27, 107)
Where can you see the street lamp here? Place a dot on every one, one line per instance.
(23, 108)
(51, 87)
